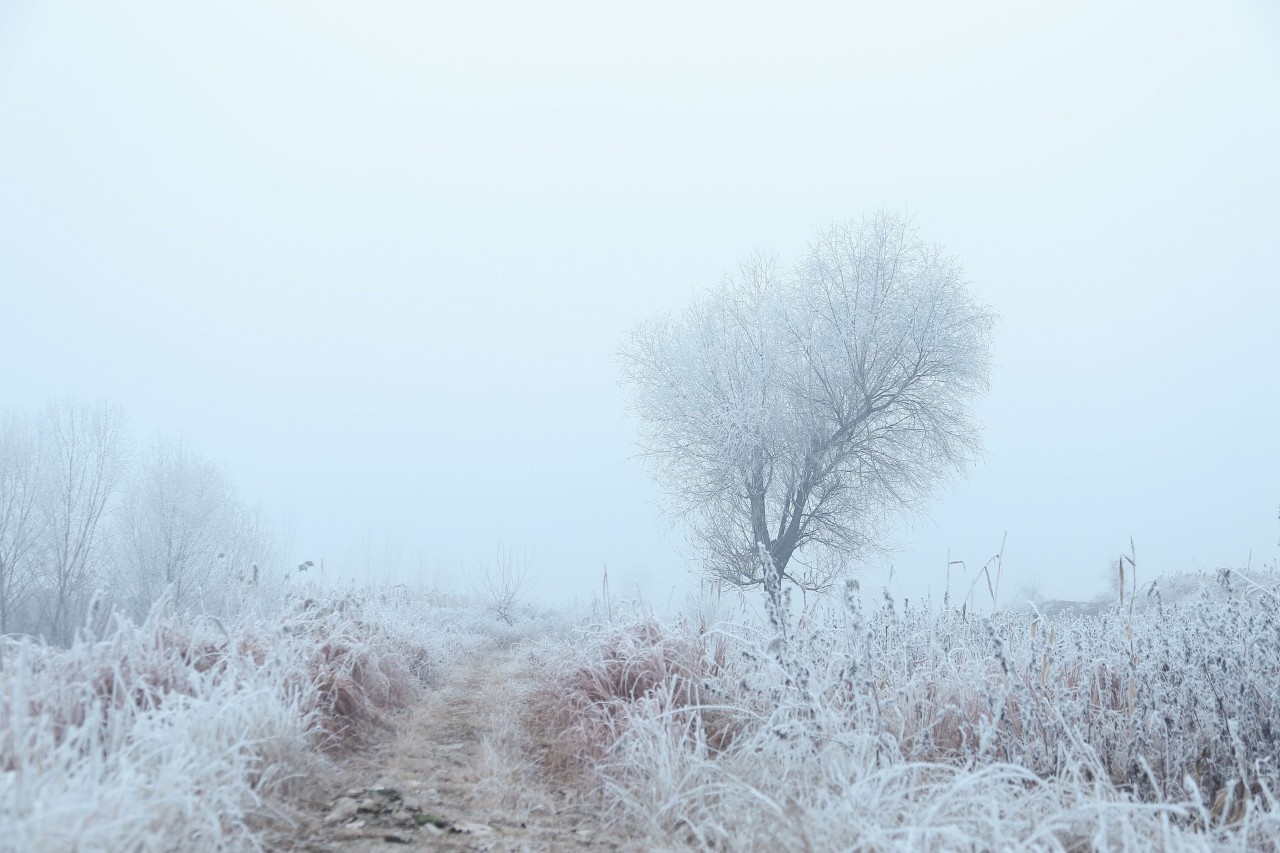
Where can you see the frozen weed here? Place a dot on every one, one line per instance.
(1151, 726)
(184, 733)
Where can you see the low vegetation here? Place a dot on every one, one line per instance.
(1152, 724)
(190, 732)
(1143, 727)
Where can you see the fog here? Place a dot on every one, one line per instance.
(376, 259)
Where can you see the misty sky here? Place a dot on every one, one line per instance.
(376, 258)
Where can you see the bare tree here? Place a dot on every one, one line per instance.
(21, 523)
(183, 530)
(86, 446)
(176, 519)
(251, 543)
(795, 409)
(502, 584)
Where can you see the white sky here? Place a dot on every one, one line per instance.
(376, 257)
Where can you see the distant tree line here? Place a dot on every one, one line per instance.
(92, 524)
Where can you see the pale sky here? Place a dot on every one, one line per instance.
(376, 258)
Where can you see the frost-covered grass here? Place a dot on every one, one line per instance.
(187, 732)
(1154, 727)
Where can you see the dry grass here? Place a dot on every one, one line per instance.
(184, 732)
(1157, 725)
(581, 698)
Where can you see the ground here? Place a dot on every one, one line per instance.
(454, 771)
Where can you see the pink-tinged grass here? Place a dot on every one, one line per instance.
(184, 733)
(1135, 728)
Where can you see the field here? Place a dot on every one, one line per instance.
(328, 721)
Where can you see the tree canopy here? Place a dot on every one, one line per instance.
(799, 407)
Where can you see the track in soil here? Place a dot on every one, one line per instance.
(454, 773)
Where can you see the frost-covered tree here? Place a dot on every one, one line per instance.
(184, 532)
(796, 408)
(85, 446)
(83, 519)
(21, 522)
(175, 518)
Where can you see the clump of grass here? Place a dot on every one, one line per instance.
(606, 666)
(143, 741)
(353, 673)
(181, 733)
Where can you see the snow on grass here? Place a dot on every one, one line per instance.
(186, 732)
(1150, 726)
(1139, 728)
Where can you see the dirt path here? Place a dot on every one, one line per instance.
(455, 773)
